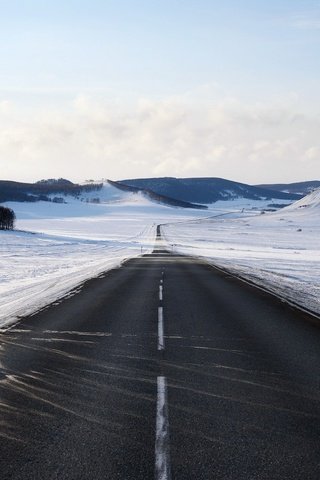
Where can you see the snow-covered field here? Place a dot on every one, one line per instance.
(58, 246)
(279, 251)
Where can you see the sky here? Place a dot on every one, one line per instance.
(93, 89)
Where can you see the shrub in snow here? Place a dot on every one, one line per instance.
(7, 218)
(58, 200)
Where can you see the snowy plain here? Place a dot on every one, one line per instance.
(278, 251)
(58, 246)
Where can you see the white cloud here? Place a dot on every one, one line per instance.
(175, 136)
(5, 106)
(312, 153)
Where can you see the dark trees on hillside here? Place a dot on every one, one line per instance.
(33, 192)
(7, 218)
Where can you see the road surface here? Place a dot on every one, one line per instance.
(162, 369)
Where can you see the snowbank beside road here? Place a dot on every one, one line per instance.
(38, 269)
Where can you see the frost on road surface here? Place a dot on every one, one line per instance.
(279, 251)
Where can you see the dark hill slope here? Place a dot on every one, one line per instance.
(156, 197)
(206, 190)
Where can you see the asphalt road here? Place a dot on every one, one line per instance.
(164, 368)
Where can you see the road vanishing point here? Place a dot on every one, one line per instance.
(165, 368)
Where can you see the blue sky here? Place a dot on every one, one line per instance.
(144, 88)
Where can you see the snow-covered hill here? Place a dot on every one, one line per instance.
(109, 194)
(310, 201)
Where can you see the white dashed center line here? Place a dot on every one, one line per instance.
(162, 445)
(161, 293)
(162, 450)
(160, 329)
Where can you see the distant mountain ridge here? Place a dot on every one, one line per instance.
(205, 190)
(301, 188)
(193, 193)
